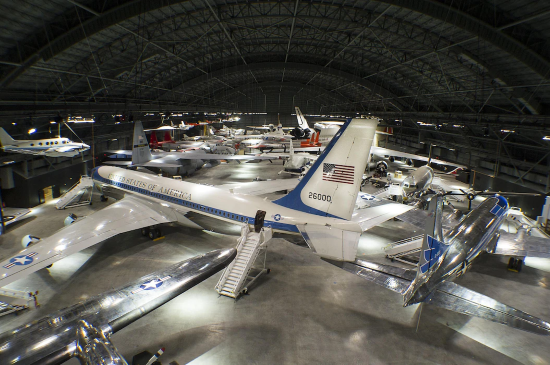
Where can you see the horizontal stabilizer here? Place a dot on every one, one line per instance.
(378, 212)
(530, 246)
(459, 299)
(390, 277)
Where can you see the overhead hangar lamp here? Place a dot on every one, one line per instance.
(546, 138)
(32, 130)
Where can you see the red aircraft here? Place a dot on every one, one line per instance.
(155, 144)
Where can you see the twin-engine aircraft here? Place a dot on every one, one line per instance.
(50, 147)
(321, 208)
(447, 255)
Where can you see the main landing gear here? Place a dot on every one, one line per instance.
(514, 264)
(152, 232)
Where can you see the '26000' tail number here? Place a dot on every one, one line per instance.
(316, 196)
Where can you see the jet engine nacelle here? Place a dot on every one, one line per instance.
(381, 165)
(300, 133)
(29, 240)
(71, 218)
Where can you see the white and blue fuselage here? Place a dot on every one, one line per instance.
(210, 201)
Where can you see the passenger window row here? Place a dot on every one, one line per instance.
(221, 213)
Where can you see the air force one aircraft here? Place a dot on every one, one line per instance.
(320, 208)
(51, 147)
(84, 329)
(446, 256)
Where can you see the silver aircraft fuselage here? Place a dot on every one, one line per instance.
(474, 234)
(54, 338)
(419, 180)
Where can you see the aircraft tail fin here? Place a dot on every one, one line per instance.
(432, 245)
(331, 185)
(168, 137)
(140, 150)
(302, 122)
(153, 141)
(5, 138)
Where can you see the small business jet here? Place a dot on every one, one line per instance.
(50, 147)
(447, 256)
(321, 208)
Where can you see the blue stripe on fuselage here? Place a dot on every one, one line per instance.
(193, 206)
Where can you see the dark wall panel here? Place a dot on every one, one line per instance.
(26, 193)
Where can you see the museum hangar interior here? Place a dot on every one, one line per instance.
(362, 182)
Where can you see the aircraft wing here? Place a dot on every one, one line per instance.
(530, 246)
(310, 149)
(12, 215)
(416, 217)
(260, 187)
(386, 151)
(172, 156)
(449, 295)
(459, 299)
(61, 149)
(125, 215)
(159, 163)
(24, 151)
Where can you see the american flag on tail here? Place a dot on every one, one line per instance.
(338, 173)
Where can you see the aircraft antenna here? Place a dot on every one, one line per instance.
(71, 131)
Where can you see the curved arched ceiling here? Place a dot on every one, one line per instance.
(419, 57)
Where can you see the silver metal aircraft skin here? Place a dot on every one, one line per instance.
(83, 330)
(417, 181)
(445, 257)
(173, 163)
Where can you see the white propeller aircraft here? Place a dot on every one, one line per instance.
(51, 147)
(320, 208)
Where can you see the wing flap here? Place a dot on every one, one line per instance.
(528, 246)
(125, 215)
(459, 299)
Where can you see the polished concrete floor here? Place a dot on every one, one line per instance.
(305, 311)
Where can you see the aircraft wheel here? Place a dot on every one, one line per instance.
(519, 265)
(145, 231)
(153, 234)
(245, 291)
(158, 232)
(515, 264)
(268, 271)
(103, 198)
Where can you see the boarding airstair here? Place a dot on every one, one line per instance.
(79, 194)
(12, 301)
(236, 278)
(404, 250)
